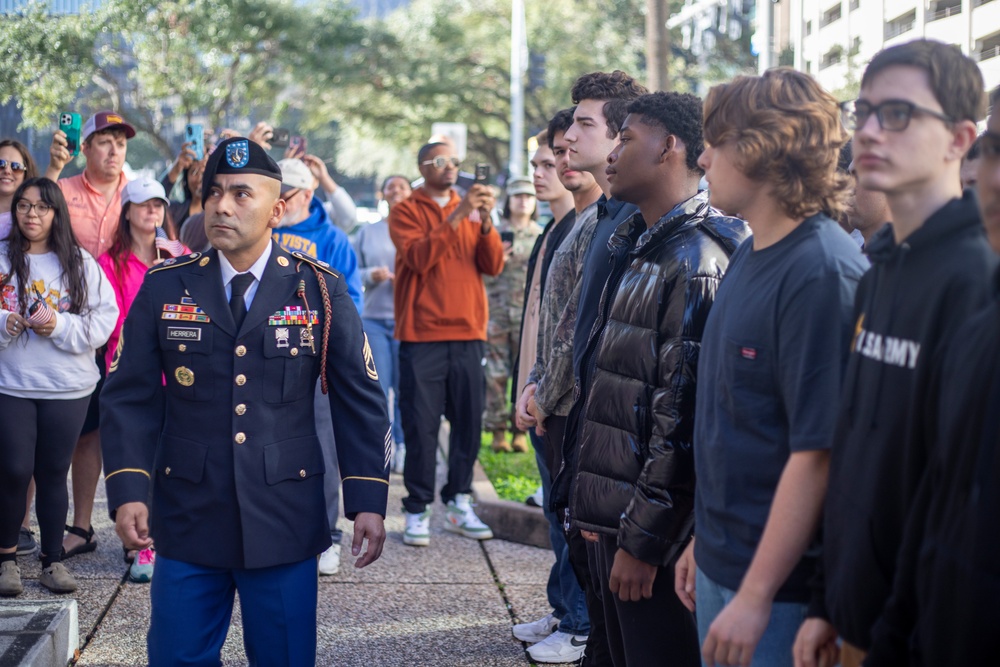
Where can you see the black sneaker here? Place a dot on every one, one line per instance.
(26, 544)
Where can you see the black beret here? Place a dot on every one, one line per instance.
(238, 155)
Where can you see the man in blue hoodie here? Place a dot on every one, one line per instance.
(306, 227)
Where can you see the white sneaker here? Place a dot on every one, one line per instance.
(398, 457)
(559, 647)
(418, 529)
(536, 631)
(329, 561)
(462, 520)
(536, 499)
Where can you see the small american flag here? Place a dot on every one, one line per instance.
(175, 248)
(39, 313)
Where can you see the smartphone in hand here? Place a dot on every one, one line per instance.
(298, 143)
(507, 237)
(195, 135)
(482, 173)
(69, 123)
(280, 137)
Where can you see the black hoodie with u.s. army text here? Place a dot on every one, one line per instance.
(907, 308)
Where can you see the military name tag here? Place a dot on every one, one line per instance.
(184, 376)
(183, 333)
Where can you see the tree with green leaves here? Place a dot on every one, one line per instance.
(164, 63)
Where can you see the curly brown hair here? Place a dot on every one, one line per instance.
(787, 133)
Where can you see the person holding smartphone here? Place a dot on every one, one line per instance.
(518, 231)
(56, 310)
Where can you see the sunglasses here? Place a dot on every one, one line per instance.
(14, 166)
(440, 162)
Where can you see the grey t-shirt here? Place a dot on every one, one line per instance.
(374, 249)
(769, 378)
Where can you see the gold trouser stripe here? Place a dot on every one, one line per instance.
(368, 479)
(107, 477)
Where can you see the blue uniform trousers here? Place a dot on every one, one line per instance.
(193, 605)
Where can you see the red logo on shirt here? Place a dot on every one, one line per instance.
(748, 353)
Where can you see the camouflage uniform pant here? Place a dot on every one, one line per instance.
(503, 340)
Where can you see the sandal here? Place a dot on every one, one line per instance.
(89, 545)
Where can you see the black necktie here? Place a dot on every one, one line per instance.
(240, 283)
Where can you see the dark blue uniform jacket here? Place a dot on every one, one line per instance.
(215, 428)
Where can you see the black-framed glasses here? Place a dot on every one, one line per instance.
(14, 166)
(892, 115)
(989, 145)
(440, 162)
(41, 208)
(291, 193)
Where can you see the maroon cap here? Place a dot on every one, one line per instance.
(103, 120)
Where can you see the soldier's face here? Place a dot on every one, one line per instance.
(240, 212)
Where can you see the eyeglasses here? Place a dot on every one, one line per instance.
(893, 115)
(989, 145)
(291, 193)
(14, 166)
(41, 208)
(440, 162)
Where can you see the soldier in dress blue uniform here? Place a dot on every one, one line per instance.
(208, 428)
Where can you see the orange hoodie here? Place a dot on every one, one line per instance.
(439, 293)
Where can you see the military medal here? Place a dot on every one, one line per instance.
(281, 336)
(306, 338)
(184, 376)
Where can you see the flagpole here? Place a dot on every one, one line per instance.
(518, 56)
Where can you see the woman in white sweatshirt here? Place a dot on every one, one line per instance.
(56, 309)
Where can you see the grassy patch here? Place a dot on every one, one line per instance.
(514, 475)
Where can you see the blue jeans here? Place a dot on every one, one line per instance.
(568, 602)
(775, 646)
(385, 351)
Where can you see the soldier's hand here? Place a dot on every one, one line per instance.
(368, 525)
(132, 526)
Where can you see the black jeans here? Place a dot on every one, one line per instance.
(434, 379)
(657, 630)
(38, 438)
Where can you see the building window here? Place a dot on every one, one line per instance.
(987, 48)
(830, 15)
(809, 67)
(942, 9)
(809, 28)
(855, 47)
(900, 24)
(978, 3)
(832, 57)
(855, 4)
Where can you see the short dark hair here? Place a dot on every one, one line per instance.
(975, 150)
(388, 179)
(116, 131)
(679, 114)
(427, 148)
(560, 123)
(616, 90)
(542, 138)
(954, 78)
(994, 98)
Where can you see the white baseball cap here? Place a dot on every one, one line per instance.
(142, 190)
(295, 175)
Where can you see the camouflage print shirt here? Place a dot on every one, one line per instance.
(506, 291)
(553, 372)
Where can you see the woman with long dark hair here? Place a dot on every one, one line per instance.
(56, 309)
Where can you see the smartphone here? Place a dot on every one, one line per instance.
(194, 134)
(507, 237)
(281, 137)
(482, 173)
(298, 142)
(69, 123)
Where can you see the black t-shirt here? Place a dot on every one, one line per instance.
(769, 380)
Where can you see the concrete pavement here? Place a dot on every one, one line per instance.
(452, 603)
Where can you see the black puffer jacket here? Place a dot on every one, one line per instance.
(635, 474)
